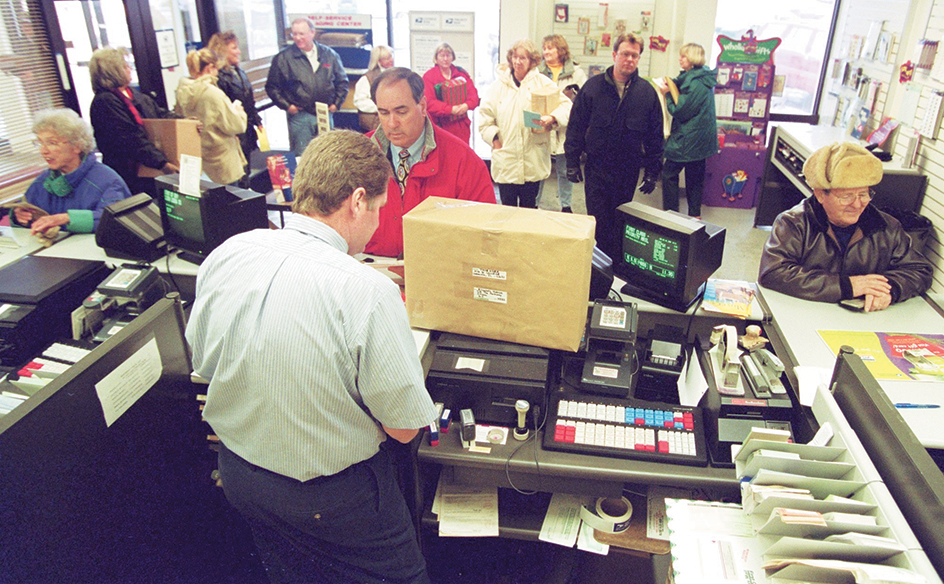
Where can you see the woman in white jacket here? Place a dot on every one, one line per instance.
(521, 156)
(223, 120)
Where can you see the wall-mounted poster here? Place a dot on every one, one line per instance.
(590, 46)
(561, 13)
(603, 11)
(605, 39)
(619, 27)
(583, 26)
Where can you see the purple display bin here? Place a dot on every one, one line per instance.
(733, 176)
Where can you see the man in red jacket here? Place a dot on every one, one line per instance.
(426, 161)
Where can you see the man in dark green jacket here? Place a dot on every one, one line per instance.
(694, 136)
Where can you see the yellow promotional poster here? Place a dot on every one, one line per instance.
(894, 356)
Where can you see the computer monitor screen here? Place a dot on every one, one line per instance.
(666, 258)
(651, 252)
(183, 214)
(196, 225)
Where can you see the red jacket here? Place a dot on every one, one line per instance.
(448, 169)
(441, 112)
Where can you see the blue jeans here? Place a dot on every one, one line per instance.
(302, 127)
(565, 188)
(352, 526)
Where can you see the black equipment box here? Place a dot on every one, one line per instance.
(488, 377)
(729, 418)
(37, 297)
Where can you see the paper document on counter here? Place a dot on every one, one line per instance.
(562, 520)
(810, 378)
(656, 524)
(120, 389)
(466, 511)
(891, 356)
(692, 384)
(836, 570)
(713, 542)
(587, 543)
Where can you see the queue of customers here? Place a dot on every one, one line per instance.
(305, 451)
(607, 129)
(427, 136)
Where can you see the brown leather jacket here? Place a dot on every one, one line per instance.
(802, 258)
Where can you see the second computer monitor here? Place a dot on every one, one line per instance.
(196, 225)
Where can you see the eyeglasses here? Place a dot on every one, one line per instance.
(626, 55)
(847, 198)
(50, 144)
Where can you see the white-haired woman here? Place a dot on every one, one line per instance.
(452, 117)
(76, 187)
(521, 156)
(381, 59)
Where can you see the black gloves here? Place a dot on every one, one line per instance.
(648, 183)
(574, 175)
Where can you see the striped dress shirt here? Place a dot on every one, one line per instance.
(307, 351)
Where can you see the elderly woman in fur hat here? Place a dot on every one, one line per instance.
(835, 245)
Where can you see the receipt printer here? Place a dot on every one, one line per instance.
(611, 349)
(487, 377)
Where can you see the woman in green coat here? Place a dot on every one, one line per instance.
(694, 136)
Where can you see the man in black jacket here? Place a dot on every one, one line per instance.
(302, 75)
(617, 121)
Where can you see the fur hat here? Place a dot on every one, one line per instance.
(842, 165)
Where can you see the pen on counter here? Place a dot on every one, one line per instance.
(917, 406)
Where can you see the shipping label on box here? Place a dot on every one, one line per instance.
(497, 272)
(173, 137)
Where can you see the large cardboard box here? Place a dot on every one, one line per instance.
(545, 100)
(173, 137)
(518, 275)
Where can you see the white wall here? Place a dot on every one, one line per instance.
(680, 21)
(925, 19)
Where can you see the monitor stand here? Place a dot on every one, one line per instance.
(642, 294)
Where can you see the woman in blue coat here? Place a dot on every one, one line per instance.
(76, 186)
(694, 136)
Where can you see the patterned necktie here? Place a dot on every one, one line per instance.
(403, 169)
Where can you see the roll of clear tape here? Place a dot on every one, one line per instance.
(608, 515)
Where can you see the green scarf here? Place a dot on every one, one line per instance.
(57, 184)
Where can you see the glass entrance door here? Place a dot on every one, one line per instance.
(87, 25)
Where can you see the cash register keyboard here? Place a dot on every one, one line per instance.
(626, 428)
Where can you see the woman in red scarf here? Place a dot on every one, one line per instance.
(116, 115)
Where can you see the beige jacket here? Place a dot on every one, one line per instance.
(223, 120)
(525, 156)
